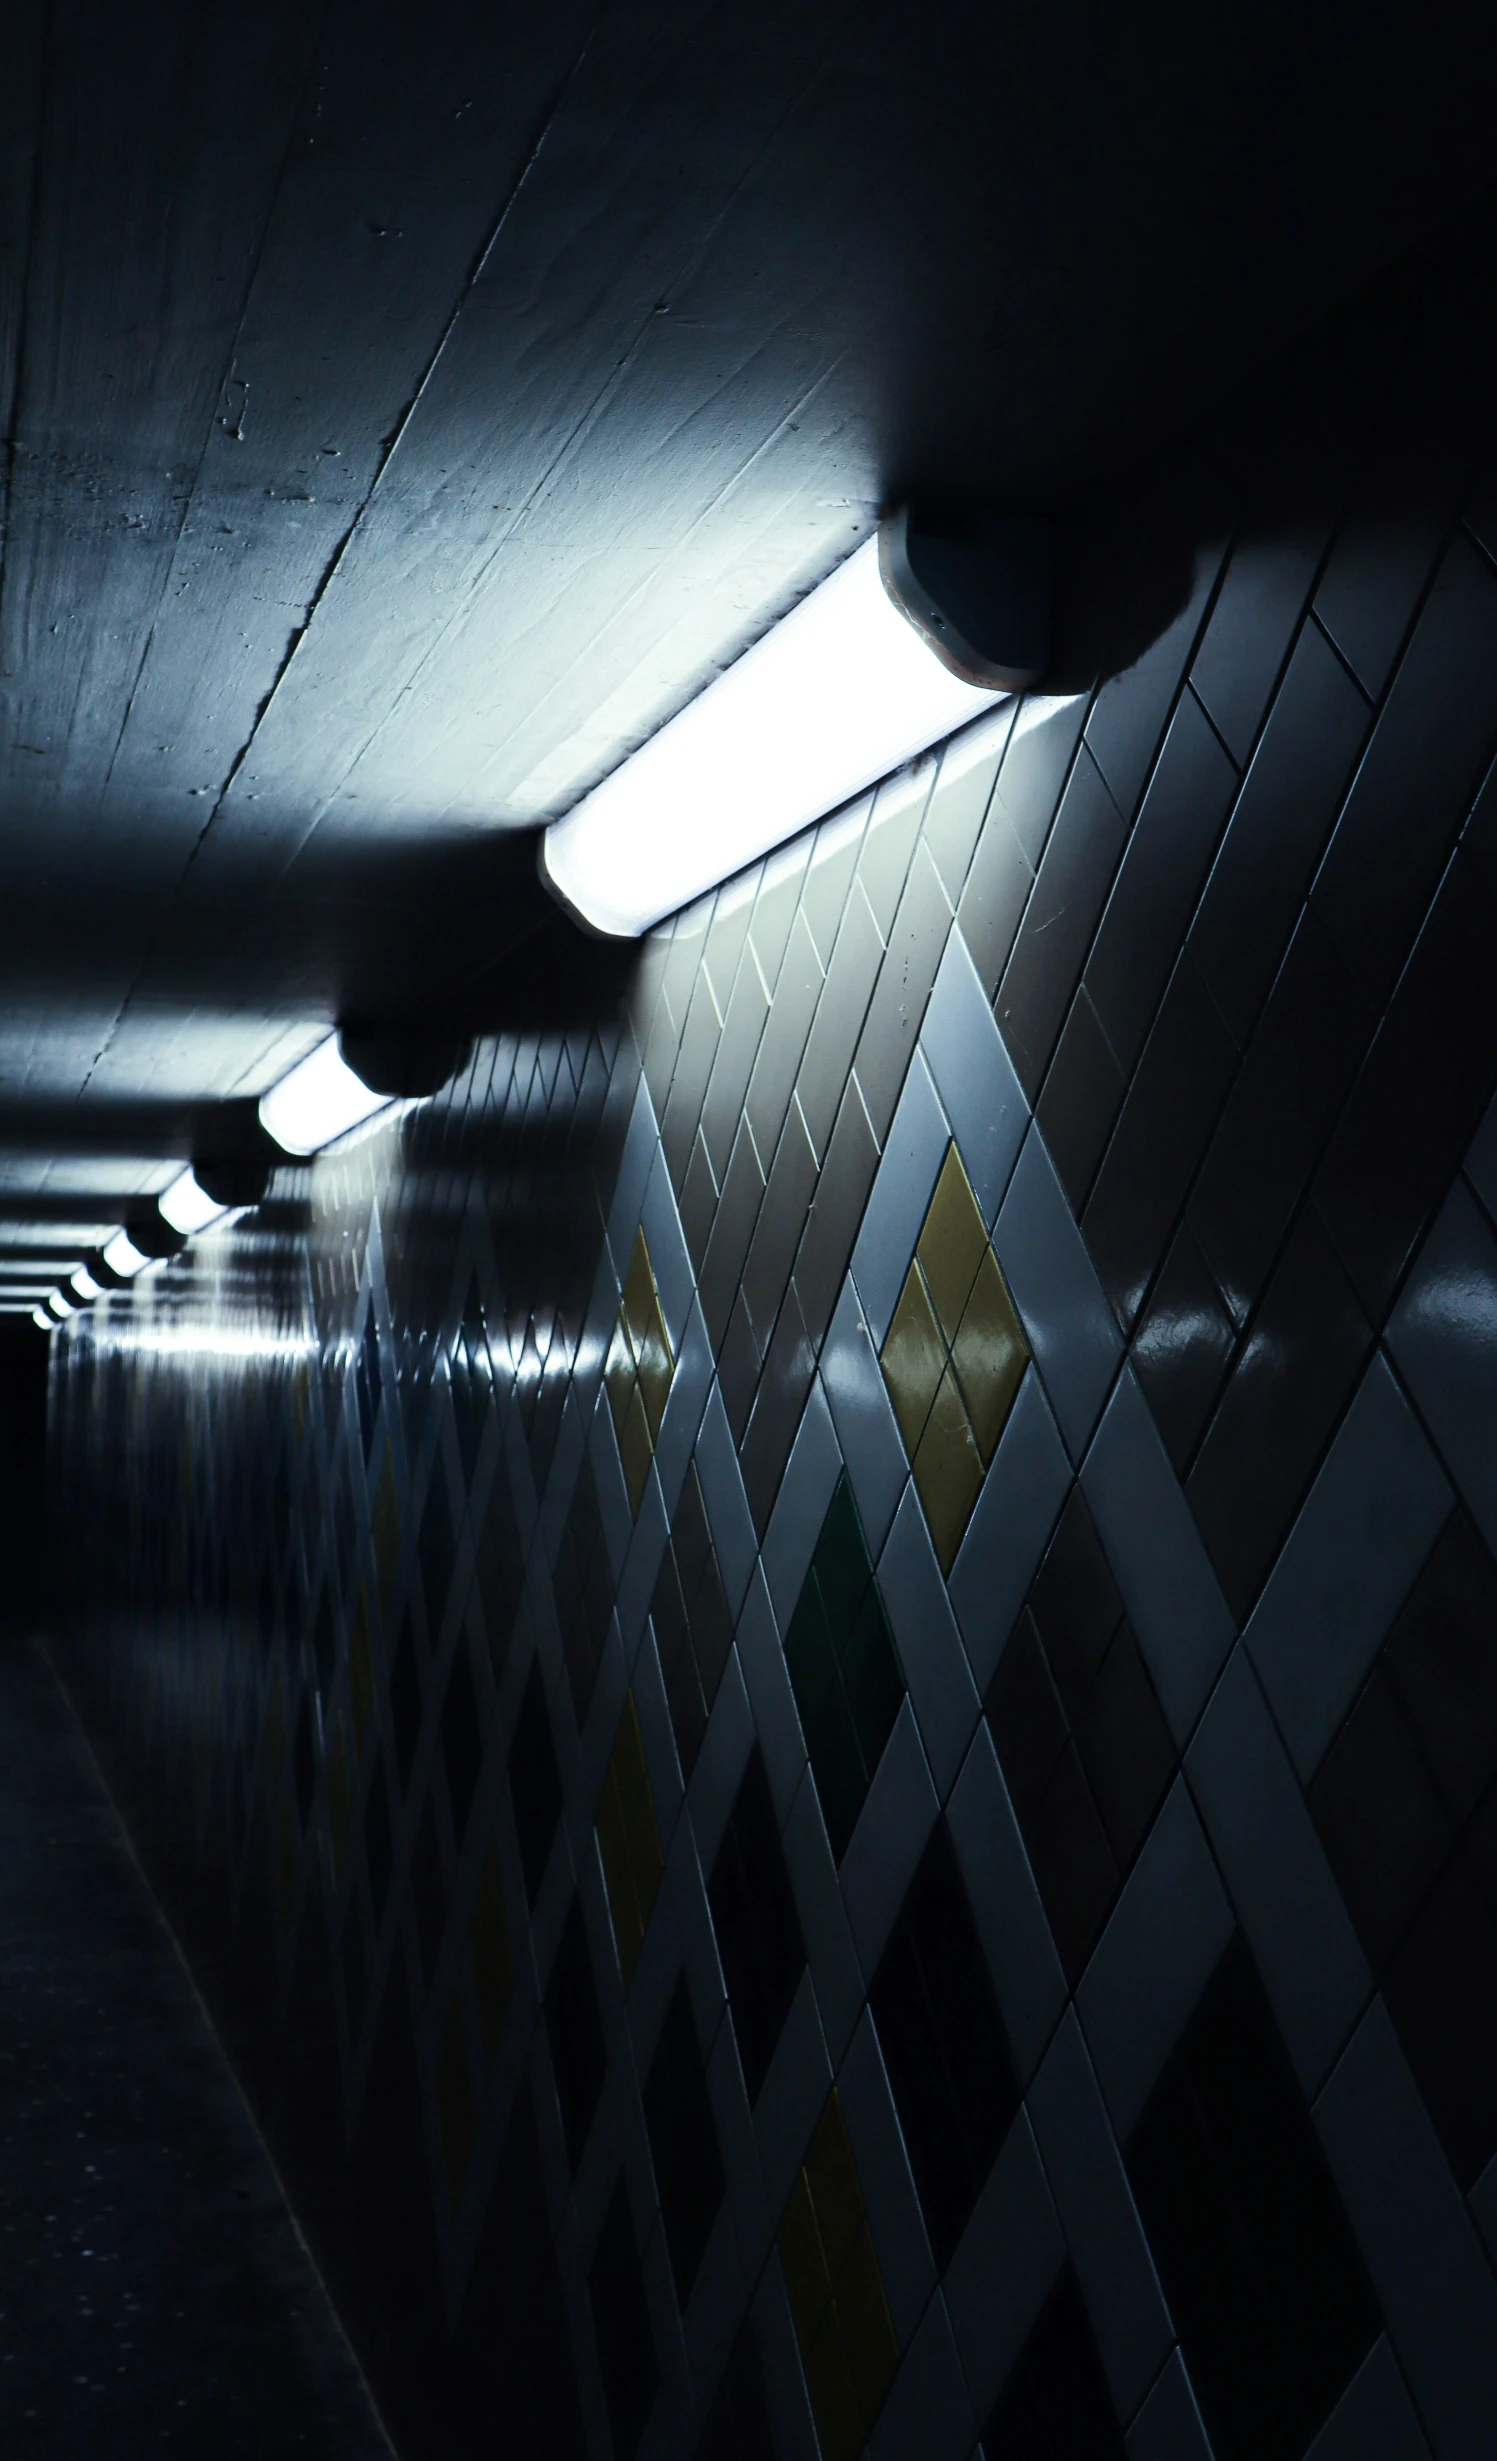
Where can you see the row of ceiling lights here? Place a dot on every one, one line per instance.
(318, 1102)
(923, 627)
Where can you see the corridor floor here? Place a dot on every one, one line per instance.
(154, 2294)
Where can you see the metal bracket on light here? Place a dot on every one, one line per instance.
(913, 636)
(977, 587)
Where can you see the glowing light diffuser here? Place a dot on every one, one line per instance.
(61, 1308)
(123, 1257)
(838, 694)
(186, 1206)
(39, 1316)
(84, 1284)
(318, 1101)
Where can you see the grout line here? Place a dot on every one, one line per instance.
(163, 1919)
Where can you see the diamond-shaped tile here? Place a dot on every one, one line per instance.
(618, 1376)
(836, 2291)
(656, 1368)
(683, 2142)
(1264, 2278)
(693, 1623)
(1085, 1750)
(1056, 2398)
(638, 1372)
(914, 1358)
(756, 1922)
(629, 1838)
(638, 1298)
(948, 1470)
(953, 1358)
(951, 1242)
(945, 2048)
(989, 1354)
(843, 1670)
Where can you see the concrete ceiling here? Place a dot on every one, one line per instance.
(404, 412)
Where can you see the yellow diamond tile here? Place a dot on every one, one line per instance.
(912, 1359)
(952, 1242)
(832, 2177)
(639, 1293)
(948, 1471)
(990, 1355)
(454, 2104)
(804, 2265)
(618, 1376)
(656, 1368)
(493, 1965)
(636, 1450)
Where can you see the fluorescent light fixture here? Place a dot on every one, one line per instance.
(84, 1284)
(319, 1100)
(61, 1308)
(872, 668)
(48, 1323)
(186, 1206)
(123, 1257)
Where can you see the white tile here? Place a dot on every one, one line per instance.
(1173, 1598)
(918, 1138)
(930, 1649)
(974, 1076)
(1010, 1528)
(1071, 1329)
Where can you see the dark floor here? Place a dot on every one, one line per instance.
(154, 2294)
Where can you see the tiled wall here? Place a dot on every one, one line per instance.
(820, 1670)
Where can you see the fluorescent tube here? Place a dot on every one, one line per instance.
(319, 1100)
(837, 695)
(61, 1308)
(39, 1316)
(186, 1206)
(84, 1284)
(123, 1257)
